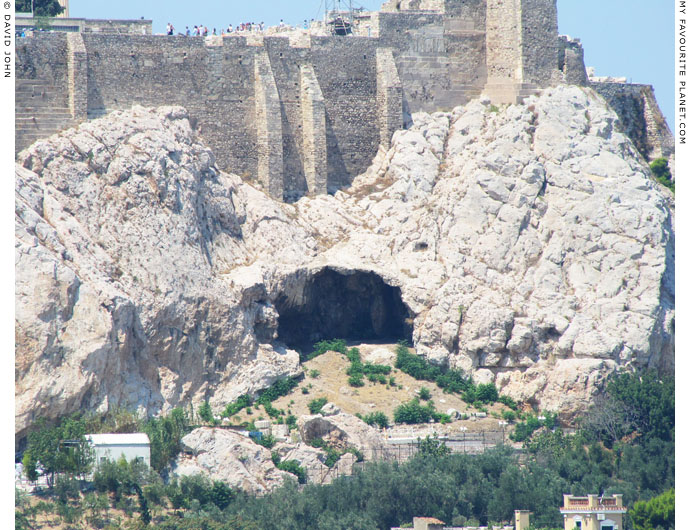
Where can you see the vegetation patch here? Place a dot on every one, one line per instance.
(413, 412)
(375, 418)
(315, 405)
(291, 466)
(661, 171)
(525, 429)
(625, 444)
(282, 387)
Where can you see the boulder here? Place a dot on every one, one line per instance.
(225, 455)
(340, 431)
(330, 409)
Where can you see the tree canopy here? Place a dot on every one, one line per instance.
(41, 8)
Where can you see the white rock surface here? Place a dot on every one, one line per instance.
(226, 455)
(341, 431)
(330, 409)
(530, 245)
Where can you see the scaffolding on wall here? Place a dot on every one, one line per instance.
(339, 16)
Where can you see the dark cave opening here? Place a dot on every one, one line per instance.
(356, 306)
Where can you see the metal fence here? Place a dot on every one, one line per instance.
(402, 449)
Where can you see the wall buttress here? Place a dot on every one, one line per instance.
(268, 126)
(314, 151)
(388, 96)
(77, 76)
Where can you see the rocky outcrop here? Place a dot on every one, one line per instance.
(228, 456)
(313, 461)
(528, 244)
(124, 232)
(340, 431)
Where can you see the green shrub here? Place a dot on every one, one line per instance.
(376, 418)
(315, 405)
(337, 345)
(470, 394)
(305, 390)
(508, 415)
(356, 452)
(319, 443)
(196, 487)
(282, 387)
(356, 380)
(221, 494)
(412, 412)
(293, 466)
(165, 433)
(272, 411)
(508, 402)
(205, 412)
(524, 430)
(267, 441)
(486, 393)
(424, 393)
(662, 173)
(314, 374)
(450, 380)
(121, 477)
(442, 418)
(236, 406)
(432, 447)
(376, 369)
(332, 454)
(291, 421)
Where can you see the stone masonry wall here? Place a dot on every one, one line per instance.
(285, 65)
(314, 148)
(77, 76)
(539, 41)
(269, 131)
(571, 61)
(44, 57)
(214, 82)
(502, 30)
(389, 96)
(640, 117)
(303, 114)
(440, 60)
(346, 71)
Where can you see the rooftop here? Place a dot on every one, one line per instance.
(137, 438)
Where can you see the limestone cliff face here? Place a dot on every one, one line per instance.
(530, 247)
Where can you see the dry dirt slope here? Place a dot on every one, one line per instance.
(331, 383)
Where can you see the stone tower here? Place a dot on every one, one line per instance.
(521, 47)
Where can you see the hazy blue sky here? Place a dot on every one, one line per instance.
(626, 38)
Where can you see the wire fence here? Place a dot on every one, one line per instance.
(402, 449)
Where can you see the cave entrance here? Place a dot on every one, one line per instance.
(356, 306)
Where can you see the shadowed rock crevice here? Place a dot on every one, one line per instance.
(355, 306)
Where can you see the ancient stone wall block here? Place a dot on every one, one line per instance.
(388, 96)
(314, 151)
(269, 127)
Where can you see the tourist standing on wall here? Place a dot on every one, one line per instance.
(187, 32)
(170, 28)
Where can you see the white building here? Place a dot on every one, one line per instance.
(135, 446)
